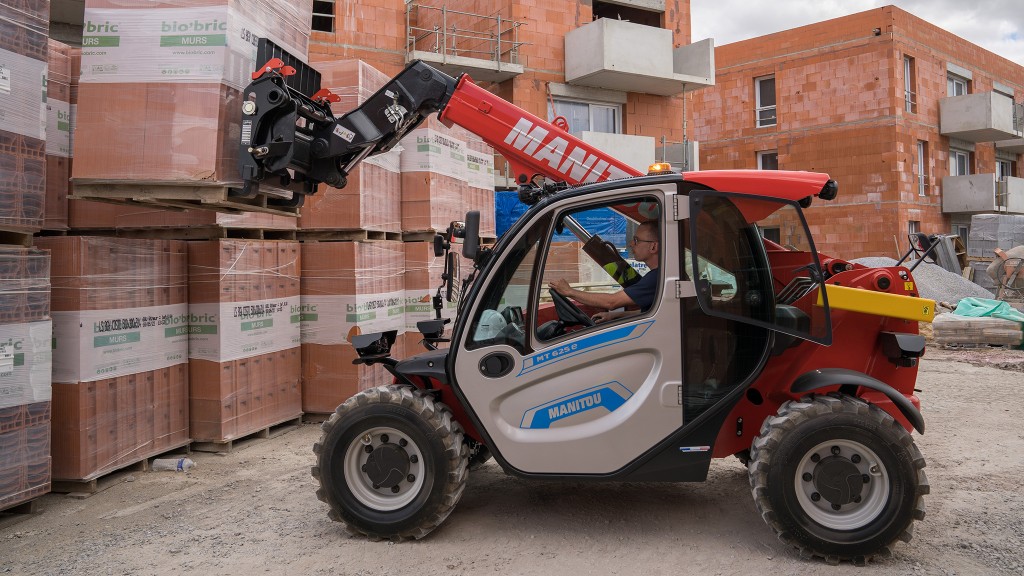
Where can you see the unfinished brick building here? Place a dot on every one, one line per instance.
(615, 70)
(921, 128)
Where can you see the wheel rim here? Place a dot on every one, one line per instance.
(829, 491)
(379, 464)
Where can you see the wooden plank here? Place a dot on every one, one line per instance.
(178, 195)
(323, 235)
(272, 431)
(16, 237)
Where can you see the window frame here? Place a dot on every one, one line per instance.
(922, 168)
(765, 154)
(954, 155)
(954, 80)
(616, 109)
(759, 107)
(910, 84)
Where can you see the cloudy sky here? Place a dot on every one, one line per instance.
(996, 25)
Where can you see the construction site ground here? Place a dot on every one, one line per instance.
(253, 511)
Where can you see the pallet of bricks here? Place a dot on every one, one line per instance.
(120, 354)
(159, 116)
(25, 325)
(354, 263)
(160, 89)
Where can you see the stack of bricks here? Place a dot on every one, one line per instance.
(480, 177)
(25, 391)
(161, 87)
(244, 337)
(422, 277)
(24, 30)
(371, 200)
(348, 288)
(120, 333)
(435, 184)
(61, 80)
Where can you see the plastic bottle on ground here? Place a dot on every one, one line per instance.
(172, 464)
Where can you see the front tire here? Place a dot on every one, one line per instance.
(391, 463)
(837, 478)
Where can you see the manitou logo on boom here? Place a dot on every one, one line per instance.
(572, 161)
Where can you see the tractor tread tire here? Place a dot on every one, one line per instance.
(439, 418)
(796, 412)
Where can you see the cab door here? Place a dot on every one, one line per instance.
(581, 399)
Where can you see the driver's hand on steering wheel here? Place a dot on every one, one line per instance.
(603, 316)
(560, 286)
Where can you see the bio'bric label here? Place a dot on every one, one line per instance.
(25, 363)
(96, 344)
(225, 331)
(328, 319)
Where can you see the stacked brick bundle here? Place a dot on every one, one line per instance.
(24, 27)
(480, 177)
(61, 80)
(25, 391)
(120, 334)
(347, 288)
(435, 185)
(160, 87)
(244, 337)
(372, 198)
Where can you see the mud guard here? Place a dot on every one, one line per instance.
(826, 377)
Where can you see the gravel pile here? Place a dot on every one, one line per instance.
(934, 282)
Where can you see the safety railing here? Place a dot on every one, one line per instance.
(464, 34)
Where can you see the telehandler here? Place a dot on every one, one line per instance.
(800, 364)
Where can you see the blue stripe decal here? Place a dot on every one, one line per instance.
(584, 345)
(609, 396)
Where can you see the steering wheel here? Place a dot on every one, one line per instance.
(569, 313)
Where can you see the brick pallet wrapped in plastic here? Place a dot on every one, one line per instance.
(160, 90)
(25, 392)
(435, 185)
(60, 80)
(347, 288)
(371, 200)
(244, 337)
(24, 27)
(120, 333)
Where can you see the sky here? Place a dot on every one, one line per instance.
(996, 25)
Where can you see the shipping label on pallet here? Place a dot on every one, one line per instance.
(25, 363)
(195, 44)
(58, 128)
(331, 319)
(22, 95)
(427, 150)
(225, 331)
(94, 345)
(480, 170)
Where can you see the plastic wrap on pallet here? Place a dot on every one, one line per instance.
(160, 87)
(435, 184)
(120, 391)
(371, 200)
(58, 135)
(480, 175)
(954, 329)
(24, 25)
(244, 356)
(348, 288)
(24, 454)
(25, 327)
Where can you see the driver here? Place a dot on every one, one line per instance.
(644, 246)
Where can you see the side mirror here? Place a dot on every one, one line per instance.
(471, 240)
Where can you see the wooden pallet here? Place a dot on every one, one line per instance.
(320, 235)
(191, 233)
(315, 417)
(177, 196)
(101, 481)
(272, 431)
(428, 236)
(19, 512)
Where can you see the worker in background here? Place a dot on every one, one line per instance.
(635, 299)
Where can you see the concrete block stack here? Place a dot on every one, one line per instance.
(120, 350)
(244, 337)
(25, 391)
(160, 88)
(348, 288)
(988, 232)
(24, 29)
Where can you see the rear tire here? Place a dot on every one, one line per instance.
(391, 463)
(837, 478)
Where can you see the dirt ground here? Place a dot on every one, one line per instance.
(254, 511)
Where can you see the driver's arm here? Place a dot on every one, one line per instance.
(603, 300)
